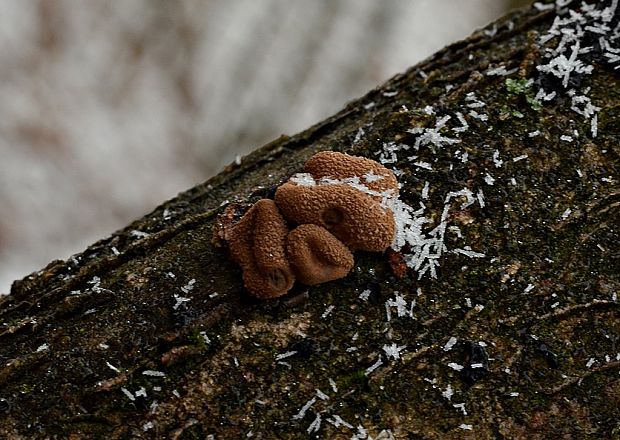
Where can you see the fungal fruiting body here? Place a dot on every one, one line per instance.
(334, 208)
(258, 244)
(352, 216)
(316, 256)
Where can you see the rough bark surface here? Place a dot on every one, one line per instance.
(149, 333)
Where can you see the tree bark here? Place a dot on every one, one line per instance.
(149, 333)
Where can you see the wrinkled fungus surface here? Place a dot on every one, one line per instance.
(333, 208)
(257, 243)
(317, 256)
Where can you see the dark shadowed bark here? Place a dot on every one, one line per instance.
(149, 333)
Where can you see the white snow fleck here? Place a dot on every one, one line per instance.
(285, 355)
(590, 362)
(315, 425)
(337, 421)
(364, 295)
(455, 366)
(112, 367)
(460, 406)
(147, 426)
(302, 412)
(153, 373)
(303, 179)
(321, 395)
(448, 393)
(466, 427)
(518, 158)
(451, 342)
(42, 347)
(332, 383)
(179, 300)
(127, 393)
(566, 213)
(393, 351)
(489, 179)
(327, 311)
(373, 367)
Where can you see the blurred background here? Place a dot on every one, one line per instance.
(108, 108)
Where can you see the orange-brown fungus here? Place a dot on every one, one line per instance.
(317, 256)
(257, 243)
(336, 165)
(352, 216)
(334, 213)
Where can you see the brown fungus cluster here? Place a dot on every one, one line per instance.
(315, 222)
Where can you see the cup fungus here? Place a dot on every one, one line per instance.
(352, 216)
(317, 256)
(257, 243)
(335, 209)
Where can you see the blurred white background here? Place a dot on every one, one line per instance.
(108, 108)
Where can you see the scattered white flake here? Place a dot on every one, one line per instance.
(466, 427)
(205, 337)
(477, 365)
(489, 179)
(303, 179)
(332, 383)
(393, 351)
(399, 303)
(373, 367)
(176, 394)
(496, 160)
(369, 105)
(566, 213)
(513, 182)
(315, 425)
(480, 116)
(179, 300)
(529, 288)
(147, 426)
(43, 347)
(566, 138)
(189, 286)
(424, 165)
(153, 373)
(139, 234)
(302, 412)
(448, 393)
(359, 135)
(104, 346)
(372, 177)
(518, 158)
(590, 362)
(141, 392)
(432, 136)
(337, 421)
(112, 367)
(469, 253)
(464, 125)
(460, 406)
(594, 126)
(390, 94)
(562, 67)
(213, 295)
(170, 275)
(327, 311)
(115, 251)
(364, 295)
(455, 366)
(450, 344)
(480, 197)
(543, 6)
(423, 74)
(478, 308)
(534, 133)
(238, 160)
(321, 395)
(127, 393)
(429, 110)
(166, 214)
(285, 355)
(424, 194)
(501, 71)
(491, 32)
